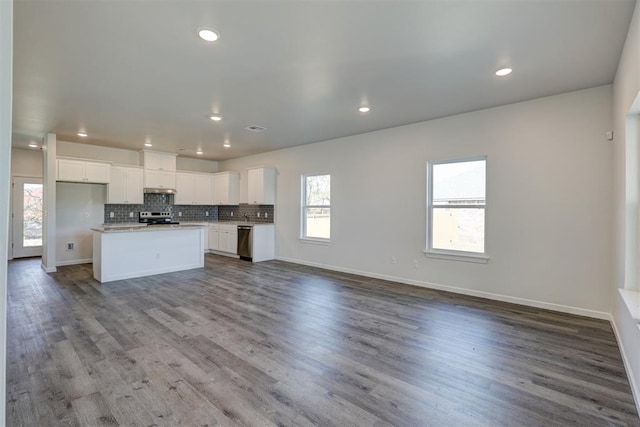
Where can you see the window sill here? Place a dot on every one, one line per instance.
(321, 242)
(632, 301)
(479, 259)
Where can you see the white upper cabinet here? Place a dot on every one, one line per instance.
(226, 188)
(158, 161)
(83, 171)
(125, 186)
(194, 189)
(159, 179)
(261, 184)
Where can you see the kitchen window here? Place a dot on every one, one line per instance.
(456, 206)
(316, 208)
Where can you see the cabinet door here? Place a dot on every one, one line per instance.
(202, 189)
(223, 241)
(255, 193)
(116, 191)
(159, 179)
(221, 189)
(184, 189)
(159, 161)
(134, 192)
(232, 245)
(261, 186)
(70, 170)
(97, 172)
(213, 239)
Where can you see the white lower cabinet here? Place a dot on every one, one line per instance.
(213, 238)
(228, 239)
(223, 238)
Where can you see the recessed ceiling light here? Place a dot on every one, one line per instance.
(33, 145)
(199, 152)
(148, 144)
(215, 117)
(82, 134)
(503, 72)
(364, 109)
(207, 34)
(226, 144)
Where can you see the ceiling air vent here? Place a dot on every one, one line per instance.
(255, 128)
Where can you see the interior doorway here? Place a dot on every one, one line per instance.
(27, 217)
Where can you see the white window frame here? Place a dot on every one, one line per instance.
(303, 217)
(448, 253)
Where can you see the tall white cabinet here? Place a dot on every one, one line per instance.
(126, 185)
(261, 186)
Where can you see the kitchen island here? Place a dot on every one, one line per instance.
(128, 251)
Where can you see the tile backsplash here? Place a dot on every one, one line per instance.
(164, 202)
(252, 211)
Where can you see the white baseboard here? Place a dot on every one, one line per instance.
(74, 262)
(627, 365)
(464, 291)
(48, 270)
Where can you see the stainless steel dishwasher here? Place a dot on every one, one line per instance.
(244, 241)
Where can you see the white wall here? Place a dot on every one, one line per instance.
(196, 165)
(79, 207)
(128, 157)
(6, 69)
(626, 89)
(107, 154)
(548, 216)
(26, 162)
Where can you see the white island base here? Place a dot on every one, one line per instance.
(128, 253)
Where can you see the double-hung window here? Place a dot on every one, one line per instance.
(316, 207)
(456, 203)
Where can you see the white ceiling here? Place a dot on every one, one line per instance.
(130, 70)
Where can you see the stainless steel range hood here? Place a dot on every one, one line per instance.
(160, 190)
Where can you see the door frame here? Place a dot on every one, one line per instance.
(10, 241)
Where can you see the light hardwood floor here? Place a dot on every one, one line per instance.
(280, 344)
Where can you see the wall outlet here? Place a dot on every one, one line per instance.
(258, 214)
(111, 214)
(206, 213)
(231, 213)
(266, 215)
(71, 246)
(130, 214)
(393, 260)
(179, 213)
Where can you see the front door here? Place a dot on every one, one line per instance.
(27, 217)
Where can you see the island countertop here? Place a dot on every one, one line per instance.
(128, 228)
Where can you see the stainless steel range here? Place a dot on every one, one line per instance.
(156, 218)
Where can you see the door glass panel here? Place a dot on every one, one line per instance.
(32, 215)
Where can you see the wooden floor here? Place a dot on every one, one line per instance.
(279, 344)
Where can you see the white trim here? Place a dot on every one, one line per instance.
(631, 299)
(463, 256)
(635, 390)
(229, 254)
(74, 262)
(48, 270)
(310, 241)
(463, 291)
(455, 255)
